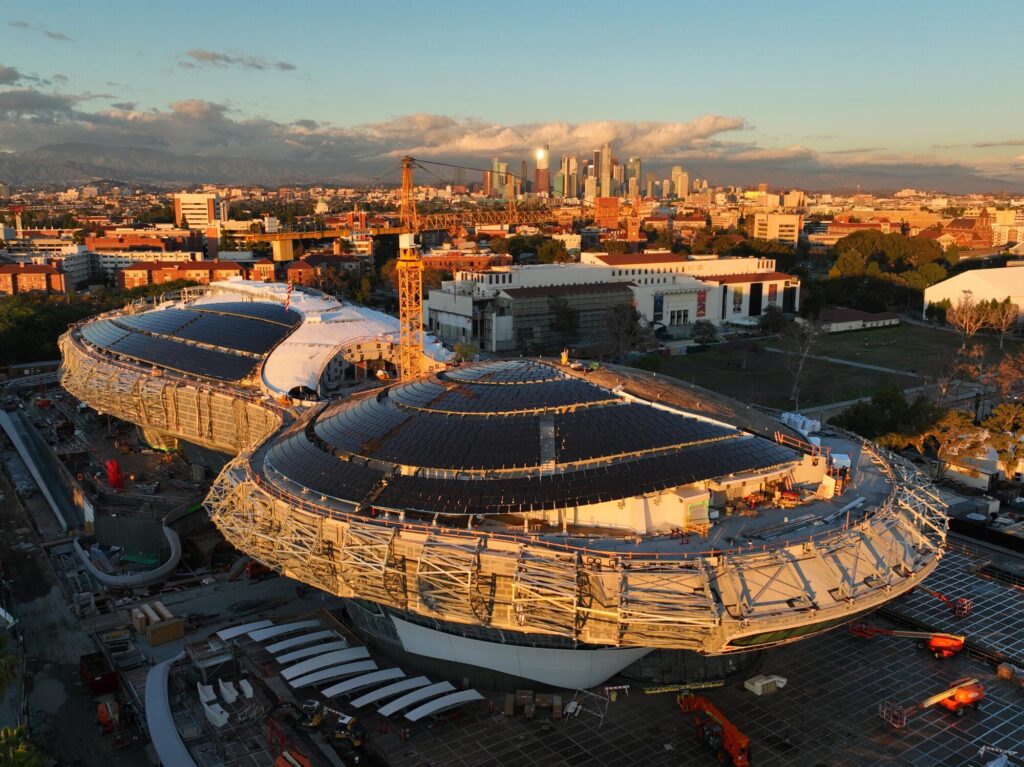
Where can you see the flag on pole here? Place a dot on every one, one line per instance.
(288, 299)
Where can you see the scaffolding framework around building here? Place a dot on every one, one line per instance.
(204, 413)
(699, 602)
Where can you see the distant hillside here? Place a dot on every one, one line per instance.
(75, 163)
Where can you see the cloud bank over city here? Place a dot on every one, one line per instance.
(32, 116)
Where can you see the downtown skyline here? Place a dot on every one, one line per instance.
(795, 95)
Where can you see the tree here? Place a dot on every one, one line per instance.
(624, 326)
(703, 332)
(1003, 317)
(799, 342)
(952, 437)
(464, 352)
(889, 418)
(16, 751)
(553, 251)
(967, 317)
(615, 246)
(564, 319)
(1009, 374)
(772, 320)
(1005, 426)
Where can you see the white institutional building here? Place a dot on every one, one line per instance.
(981, 285)
(491, 308)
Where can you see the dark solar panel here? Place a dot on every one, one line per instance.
(484, 398)
(358, 426)
(609, 483)
(103, 333)
(602, 431)
(306, 464)
(418, 394)
(164, 321)
(454, 442)
(504, 371)
(234, 332)
(261, 310)
(184, 358)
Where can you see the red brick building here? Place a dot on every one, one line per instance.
(262, 270)
(971, 233)
(144, 242)
(30, 278)
(203, 272)
(460, 261)
(300, 273)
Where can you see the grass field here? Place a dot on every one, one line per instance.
(904, 347)
(766, 380)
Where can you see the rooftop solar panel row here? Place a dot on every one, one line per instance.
(103, 333)
(504, 372)
(164, 321)
(268, 312)
(233, 332)
(596, 485)
(322, 472)
(185, 358)
(454, 442)
(355, 426)
(484, 398)
(601, 431)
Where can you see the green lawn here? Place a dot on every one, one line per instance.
(766, 380)
(904, 347)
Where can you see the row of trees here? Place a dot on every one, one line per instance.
(935, 426)
(967, 316)
(31, 323)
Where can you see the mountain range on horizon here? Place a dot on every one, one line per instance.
(80, 162)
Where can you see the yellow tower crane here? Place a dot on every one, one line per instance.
(409, 273)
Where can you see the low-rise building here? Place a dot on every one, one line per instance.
(30, 278)
(780, 227)
(479, 307)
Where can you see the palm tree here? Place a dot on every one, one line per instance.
(15, 751)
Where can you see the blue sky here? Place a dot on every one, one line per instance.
(872, 84)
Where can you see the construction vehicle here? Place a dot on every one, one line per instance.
(937, 643)
(728, 743)
(108, 716)
(257, 571)
(961, 606)
(339, 727)
(964, 694)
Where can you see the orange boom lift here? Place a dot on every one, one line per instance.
(728, 743)
(938, 644)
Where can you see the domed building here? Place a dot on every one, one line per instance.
(527, 518)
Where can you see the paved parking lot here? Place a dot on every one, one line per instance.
(826, 716)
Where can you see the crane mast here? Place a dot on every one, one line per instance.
(409, 273)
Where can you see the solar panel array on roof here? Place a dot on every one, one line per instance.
(103, 333)
(489, 398)
(352, 426)
(454, 442)
(601, 431)
(185, 358)
(164, 321)
(233, 332)
(258, 309)
(311, 467)
(596, 485)
(504, 371)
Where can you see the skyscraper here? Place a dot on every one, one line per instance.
(634, 169)
(542, 181)
(680, 182)
(605, 171)
(570, 175)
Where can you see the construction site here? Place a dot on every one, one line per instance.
(273, 528)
